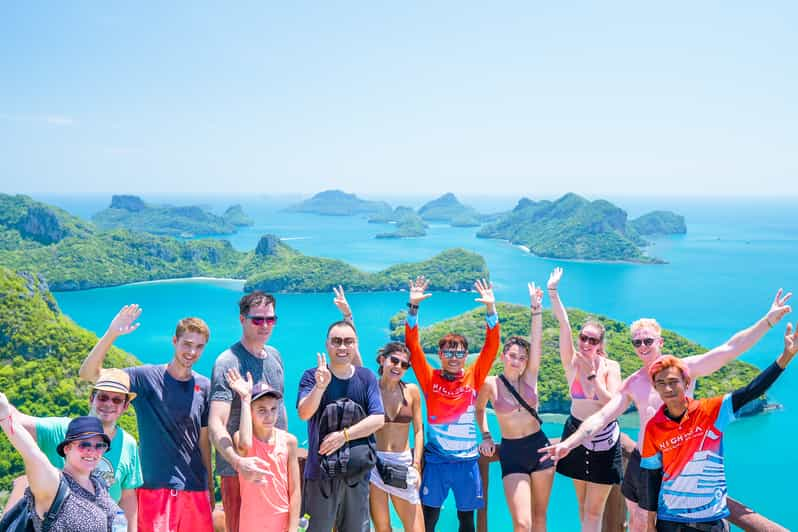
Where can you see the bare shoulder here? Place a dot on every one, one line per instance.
(636, 383)
(290, 440)
(612, 364)
(414, 392)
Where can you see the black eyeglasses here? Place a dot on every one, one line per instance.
(104, 398)
(260, 320)
(455, 354)
(592, 340)
(337, 341)
(85, 445)
(396, 361)
(637, 342)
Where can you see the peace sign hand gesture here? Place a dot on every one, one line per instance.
(779, 308)
(323, 375)
(123, 322)
(341, 302)
(417, 289)
(535, 296)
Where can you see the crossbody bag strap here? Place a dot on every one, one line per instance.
(520, 399)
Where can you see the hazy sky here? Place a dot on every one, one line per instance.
(605, 98)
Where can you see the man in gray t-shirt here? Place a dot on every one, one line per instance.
(263, 362)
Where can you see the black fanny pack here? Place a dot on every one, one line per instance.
(394, 475)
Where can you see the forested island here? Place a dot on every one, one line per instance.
(574, 228)
(132, 213)
(448, 208)
(40, 353)
(76, 255)
(408, 224)
(339, 203)
(552, 387)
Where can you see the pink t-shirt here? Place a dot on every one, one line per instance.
(264, 506)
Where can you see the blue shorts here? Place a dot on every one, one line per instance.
(461, 477)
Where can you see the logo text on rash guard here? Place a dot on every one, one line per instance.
(450, 392)
(676, 441)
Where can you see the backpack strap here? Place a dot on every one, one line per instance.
(520, 399)
(60, 496)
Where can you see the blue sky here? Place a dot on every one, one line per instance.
(610, 98)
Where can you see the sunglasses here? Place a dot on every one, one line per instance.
(260, 320)
(104, 398)
(337, 341)
(99, 446)
(592, 340)
(455, 354)
(396, 361)
(637, 342)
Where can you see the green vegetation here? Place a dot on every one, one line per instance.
(448, 208)
(289, 271)
(339, 203)
(659, 223)
(130, 212)
(236, 216)
(552, 387)
(408, 223)
(40, 353)
(25, 223)
(84, 257)
(575, 228)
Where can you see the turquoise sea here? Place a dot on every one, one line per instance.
(720, 278)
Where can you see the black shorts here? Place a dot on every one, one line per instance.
(632, 484)
(600, 467)
(672, 526)
(520, 455)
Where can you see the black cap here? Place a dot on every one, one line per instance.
(261, 389)
(82, 428)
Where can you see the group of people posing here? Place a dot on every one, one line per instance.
(88, 474)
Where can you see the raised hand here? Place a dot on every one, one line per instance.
(485, 290)
(535, 296)
(125, 320)
(790, 346)
(243, 387)
(487, 447)
(341, 302)
(554, 279)
(779, 308)
(323, 375)
(417, 288)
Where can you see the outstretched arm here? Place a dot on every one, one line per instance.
(614, 408)
(418, 359)
(530, 374)
(43, 478)
(492, 336)
(713, 360)
(566, 337)
(768, 376)
(123, 323)
(346, 311)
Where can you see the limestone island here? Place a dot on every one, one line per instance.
(574, 228)
(552, 387)
(408, 223)
(75, 255)
(339, 203)
(448, 209)
(131, 212)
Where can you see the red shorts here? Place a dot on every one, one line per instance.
(231, 500)
(165, 510)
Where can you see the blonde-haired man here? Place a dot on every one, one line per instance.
(638, 389)
(171, 404)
